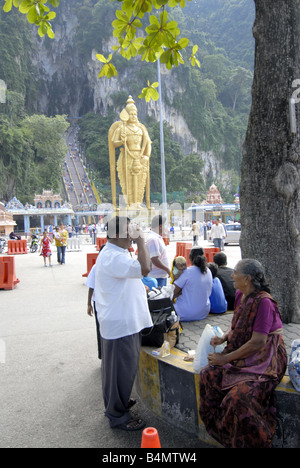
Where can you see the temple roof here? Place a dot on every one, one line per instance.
(213, 196)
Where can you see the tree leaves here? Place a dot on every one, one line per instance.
(37, 12)
(32, 150)
(150, 92)
(160, 39)
(108, 69)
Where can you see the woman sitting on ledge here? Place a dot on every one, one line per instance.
(193, 288)
(237, 388)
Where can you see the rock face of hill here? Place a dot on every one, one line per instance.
(207, 109)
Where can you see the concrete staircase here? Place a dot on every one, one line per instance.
(79, 189)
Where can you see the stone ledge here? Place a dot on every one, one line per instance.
(170, 388)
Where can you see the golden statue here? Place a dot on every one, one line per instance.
(133, 163)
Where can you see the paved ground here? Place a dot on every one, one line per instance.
(50, 374)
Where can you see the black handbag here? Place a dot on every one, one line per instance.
(160, 310)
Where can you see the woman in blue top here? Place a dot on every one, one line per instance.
(193, 288)
(218, 303)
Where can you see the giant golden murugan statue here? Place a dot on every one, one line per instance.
(133, 163)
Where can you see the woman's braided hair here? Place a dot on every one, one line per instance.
(198, 258)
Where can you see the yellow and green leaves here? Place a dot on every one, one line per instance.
(108, 68)
(150, 92)
(194, 61)
(37, 12)
(160, 38)
(124, 26)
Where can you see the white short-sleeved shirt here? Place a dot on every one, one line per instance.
(193, 303)
(156, 248)
(120, 296)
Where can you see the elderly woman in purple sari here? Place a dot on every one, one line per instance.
(237, 388)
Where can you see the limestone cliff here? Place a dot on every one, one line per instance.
(69, 84)
(200, 113)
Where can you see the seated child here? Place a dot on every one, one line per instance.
(178, 266)
(218, 303)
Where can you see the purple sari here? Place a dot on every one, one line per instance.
(237, 400)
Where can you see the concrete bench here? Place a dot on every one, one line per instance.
(170, 388)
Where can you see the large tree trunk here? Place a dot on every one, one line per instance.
(269, 195)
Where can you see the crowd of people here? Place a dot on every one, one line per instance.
(237, 388)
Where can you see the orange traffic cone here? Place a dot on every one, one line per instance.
(150, 438)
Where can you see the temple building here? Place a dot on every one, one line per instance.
(48, 210)
(214, 207)
(7, 222)
(213, 196)
(47, 200)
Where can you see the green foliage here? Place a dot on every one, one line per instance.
(16, 46)
(32, 150)
(214, 99)
(150, 92)
(160, 34)
(187, 175)
(37, 12)
(161, 37)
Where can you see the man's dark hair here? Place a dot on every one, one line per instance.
(116, 225)
(220, 259)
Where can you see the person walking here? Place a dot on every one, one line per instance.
(196, 231)
(61, 237)
(45, 248)
(218, 234)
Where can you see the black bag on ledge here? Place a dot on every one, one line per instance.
(165, 326)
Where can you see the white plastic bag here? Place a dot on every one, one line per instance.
(204, 348)
(165, 291)
(294, 364)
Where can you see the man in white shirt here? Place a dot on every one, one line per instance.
(218, 234)
(158, 252)
(122, 310)
(196, 231)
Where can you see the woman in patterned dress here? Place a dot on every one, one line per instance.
(237, 388)
(45, 248)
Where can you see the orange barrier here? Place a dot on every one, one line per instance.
(187, 257)
(166, 240)
(181, 248)
(15, 247)
(150, 438)
(100, 241)
(210, 252)
(90, 260)
(8, 278)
